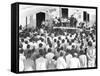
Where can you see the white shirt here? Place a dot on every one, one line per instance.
(28, 38)
(61, 64)
(91, 53)
(47, 47)
(35, 45)
(28, 65)
(21, 62)
(62, 37)
(83, 61)
(74, 63)
(69, 47)
(68, 58)
(31, 45)
(74, 44)
(56, 21)
(49, 55)
(41, 30)
(41, 63)
(73, 36)
(24, 46)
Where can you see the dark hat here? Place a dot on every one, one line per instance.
(90, 43)
(63, 41)
(40, 45)
(28, 46)
(55, 40)
(26, 42)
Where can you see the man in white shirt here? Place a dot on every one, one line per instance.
(83, 59)
(54, 43)
(21, 60)
(74, 62)
(41, 62)
(41, 45)
(68, 58)
(35, 45)
(29, 64)
(25, 45)
(31, 45)
(61, 64)
(41, 31)
(69, 47)
(91, 54)
(50, 54)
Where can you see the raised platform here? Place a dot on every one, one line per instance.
(65, 28)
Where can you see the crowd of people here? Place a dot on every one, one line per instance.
(59, 22)
(40, 49)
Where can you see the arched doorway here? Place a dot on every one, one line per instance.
(39, 18)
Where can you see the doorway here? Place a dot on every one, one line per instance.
(39, 18)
